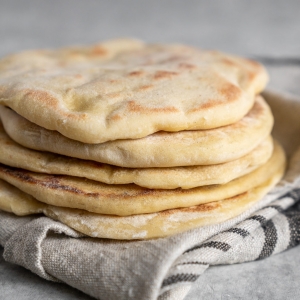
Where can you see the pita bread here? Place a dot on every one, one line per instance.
(161, 149)
(130, 199)
(15, 155)
(128, 90)
(143, 226)
(15, 201)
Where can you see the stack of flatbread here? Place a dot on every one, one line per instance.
(127, 140)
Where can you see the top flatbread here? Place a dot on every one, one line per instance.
(126, 89)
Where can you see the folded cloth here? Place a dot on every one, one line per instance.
(164, 268)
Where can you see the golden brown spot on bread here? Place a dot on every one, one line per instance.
(98, 51)
(116, 117)
(237, 196)
(145, 87)
(51, 181)
(50, 101)
(230, 91)
(78, 76)
(7, 142)
(206, 207)
(187, 66)
(206, 105)
(164, 74)
(203, 207)
(41, 96)
(59, 183)
(55, 182)
(136, 73)
(134, 107)
(251, 76)
(81, 116)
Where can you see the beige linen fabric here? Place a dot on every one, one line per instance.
(108, 269)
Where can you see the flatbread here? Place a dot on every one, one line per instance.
(161, 149)
(15, 155)
(124, 200)
(143, 226)
(14, 200)
(128, 89)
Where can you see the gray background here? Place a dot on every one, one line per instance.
(262, 27)
(268, 30)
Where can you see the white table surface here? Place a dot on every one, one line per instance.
(263, 29)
